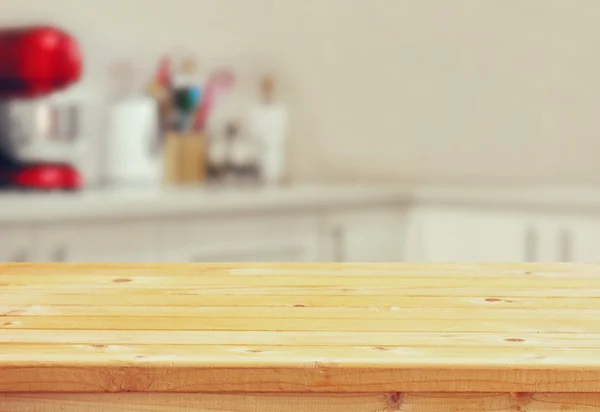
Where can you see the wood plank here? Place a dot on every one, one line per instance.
(170, 298)
(455, 270)
(479, 270)
(203, 356)
(239, 323)
(322, 338)
(421, 402)
(291, 312)
(160, 298)
(440, 291)
(319, 377)
(267, 282)
(192, 403)
(237, 356)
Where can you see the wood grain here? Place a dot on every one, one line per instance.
(269, 283)
(160, 298)
(484, 312)
(310, 328)
(455, 270)
(296, 357)
(388, 402)
(286, 338)
(504, 327)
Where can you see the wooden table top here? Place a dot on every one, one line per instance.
(299, 327)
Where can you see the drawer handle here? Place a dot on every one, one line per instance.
(531, 245)
(60, 254)
(565, 246)
(338, 236)
(21, 257)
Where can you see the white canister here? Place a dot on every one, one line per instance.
(133, 144)
(268, 124)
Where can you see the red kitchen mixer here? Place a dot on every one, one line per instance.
(35, 62)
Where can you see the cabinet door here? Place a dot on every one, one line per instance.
(114, 241)
(457, 234)
(249, 238)
(374, 234)
(578, 240)
(17, 244)
(554, 234)
(566, 237)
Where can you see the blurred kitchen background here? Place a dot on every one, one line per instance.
(308, 130)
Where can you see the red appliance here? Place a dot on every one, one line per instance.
(42, 176)
(36, 61)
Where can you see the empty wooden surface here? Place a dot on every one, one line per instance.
(318, 328)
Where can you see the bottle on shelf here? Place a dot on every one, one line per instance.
(268, 124)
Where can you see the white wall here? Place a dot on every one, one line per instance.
(426, 89)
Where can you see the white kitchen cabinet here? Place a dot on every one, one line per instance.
(567, 237)
(555, 236)
(480, 234)
(247, 238)
(105, 241)
(470, 234)
(16, 244)
(576, 239)
(373, 234)
(303, 223)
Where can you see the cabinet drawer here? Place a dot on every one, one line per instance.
(374, 234)
(471, 234)
(576, 239)
(17, 244)
(114, 241)
(249, 238)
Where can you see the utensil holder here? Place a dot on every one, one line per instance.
(185, 158)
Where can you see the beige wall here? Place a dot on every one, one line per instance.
(423, 89)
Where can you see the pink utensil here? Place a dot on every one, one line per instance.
(163, 75)
(218, 84)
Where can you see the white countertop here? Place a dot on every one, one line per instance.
(547, 197)
(31, 207)
(92, 204)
